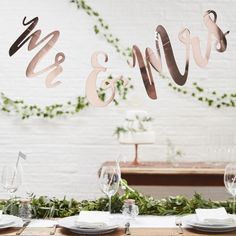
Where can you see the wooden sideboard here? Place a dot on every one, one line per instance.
(167, 174)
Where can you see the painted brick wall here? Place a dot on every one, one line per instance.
(64, 154)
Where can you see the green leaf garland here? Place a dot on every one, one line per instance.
(44, 207)
(70, 108)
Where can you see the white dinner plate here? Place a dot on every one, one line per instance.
(98, 232)
(70, 223)
(191, 220)
(4, 221)
(8, 221)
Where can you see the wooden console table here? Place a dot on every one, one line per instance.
(163, 173)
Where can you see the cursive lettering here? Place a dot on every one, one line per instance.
(91, 88)
(55, 69)
(184, 36)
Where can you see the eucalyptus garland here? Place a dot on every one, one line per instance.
(212, 98)
(44, 207)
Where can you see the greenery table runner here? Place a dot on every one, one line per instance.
(45, 207)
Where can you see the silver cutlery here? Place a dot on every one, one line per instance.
(26, 223)
(178, 222)
(127, 230)
(53, 231)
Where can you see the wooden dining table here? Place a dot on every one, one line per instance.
(32, 231)
(143, 225)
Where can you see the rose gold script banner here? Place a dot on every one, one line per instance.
(144, 62)
(55, 69)
(184, 37)
(91, 88)
(150, 60)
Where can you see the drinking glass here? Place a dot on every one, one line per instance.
(11, 179)
(110, 180)
(230, 181)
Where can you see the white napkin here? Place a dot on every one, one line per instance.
(92, 219)
(216, 216)
(42, 223)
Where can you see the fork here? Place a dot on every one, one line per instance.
(178, 222)
(26, 223)
(53, 231)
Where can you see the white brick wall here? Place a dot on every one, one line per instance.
(65, 153)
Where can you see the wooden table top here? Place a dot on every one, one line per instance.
(119, 232)
(168, 168)
(168, 174)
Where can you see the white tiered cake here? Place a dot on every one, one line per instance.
(138, 128)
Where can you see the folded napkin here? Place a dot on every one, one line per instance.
(216, 216)
(42, 223)
(92, 219)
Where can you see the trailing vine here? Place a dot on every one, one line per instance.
(44, 207)
(211, 98)
(69, 108)
(102, 28)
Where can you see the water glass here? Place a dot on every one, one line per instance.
(110, 180)
(230, 181)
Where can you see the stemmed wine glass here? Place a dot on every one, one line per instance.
(230, 181)
(110, 180)
(11, 179)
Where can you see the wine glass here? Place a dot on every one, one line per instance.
(230, 181)
(110, 180)
(11, 179)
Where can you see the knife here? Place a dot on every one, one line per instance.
(26, 223)
(127, 231)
